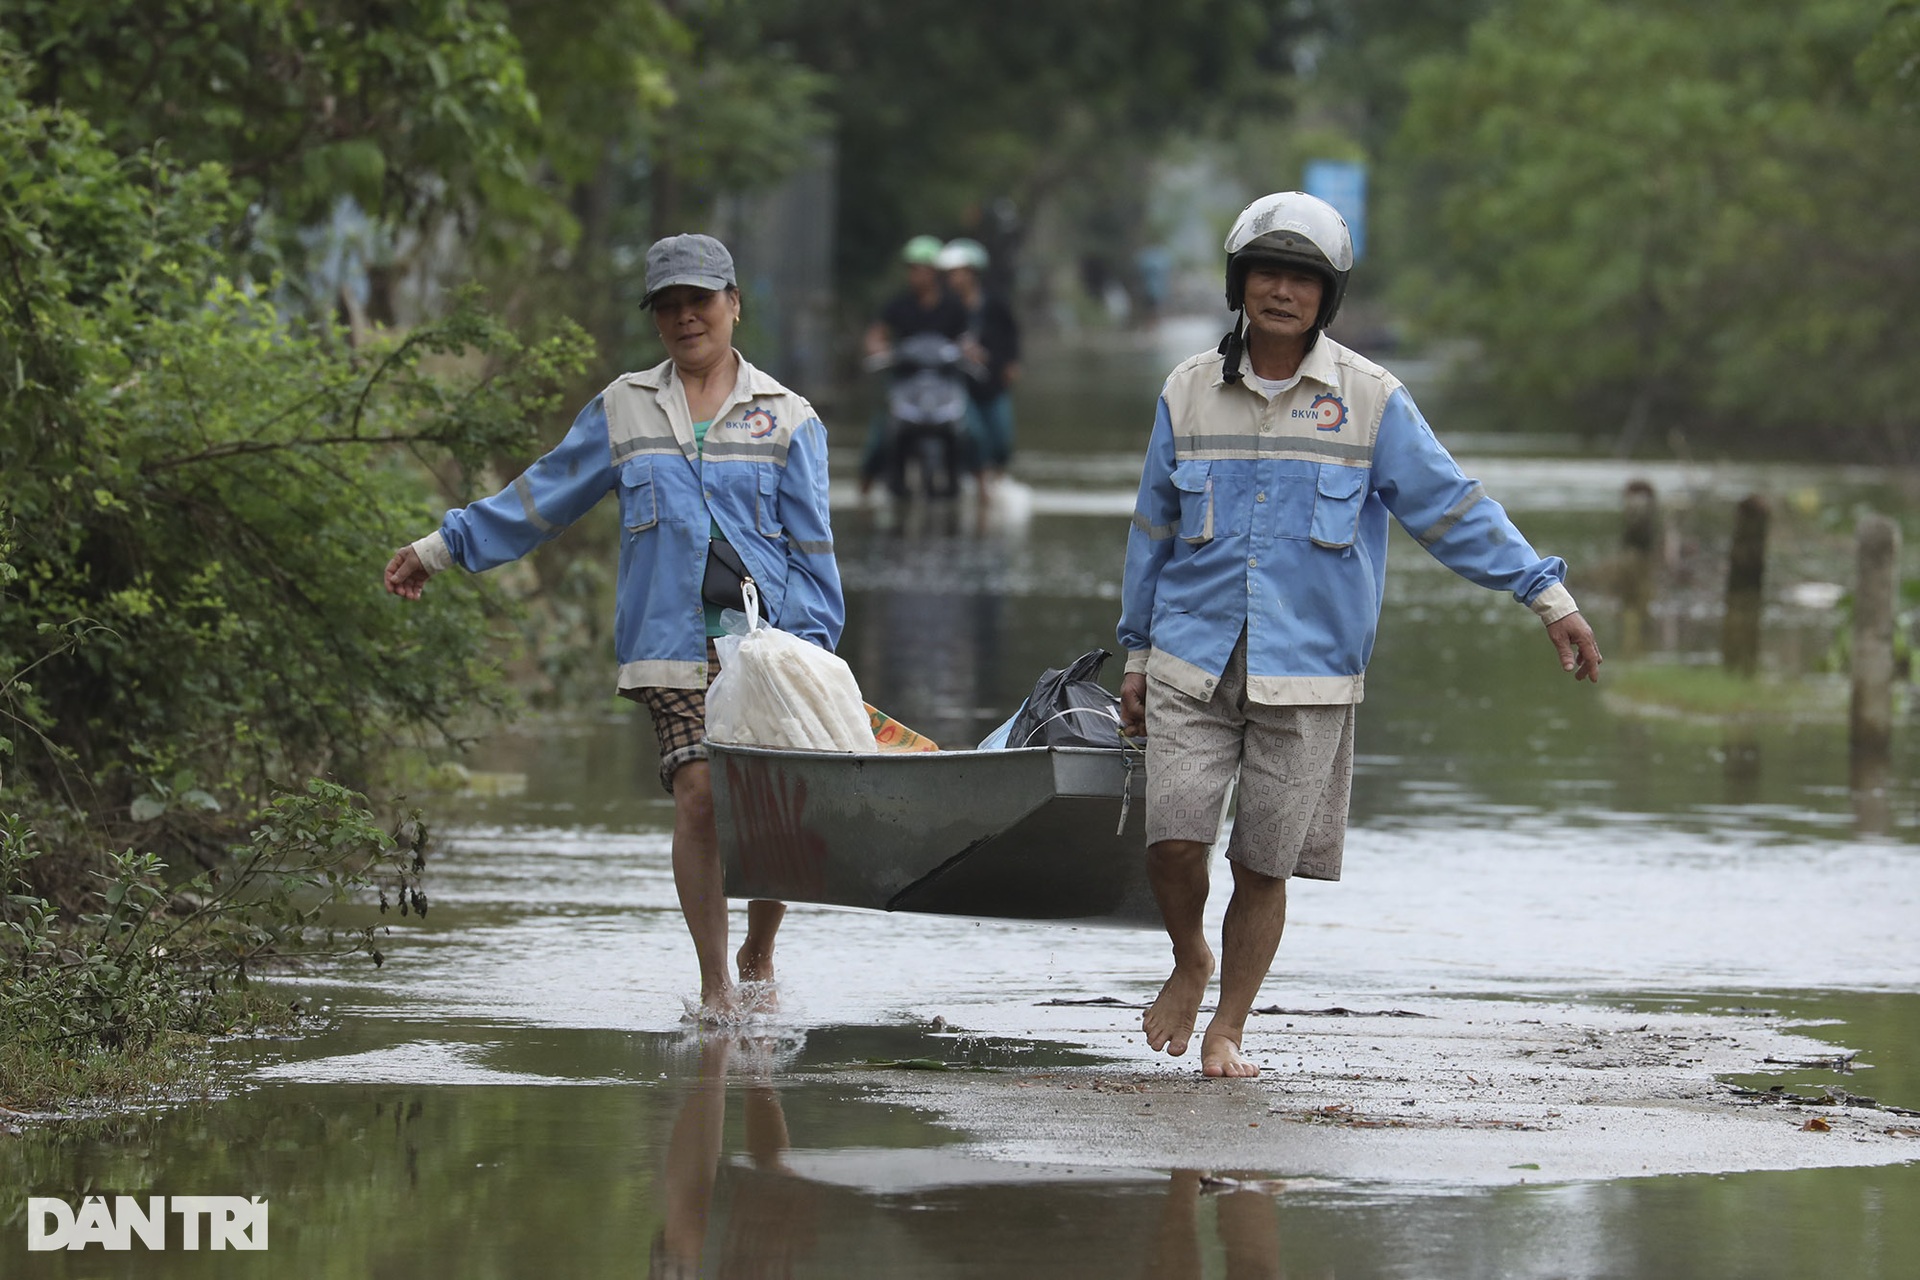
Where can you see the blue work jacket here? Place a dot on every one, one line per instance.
(1270, 516)
(762, 479)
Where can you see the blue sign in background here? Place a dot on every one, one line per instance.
(1342, 184)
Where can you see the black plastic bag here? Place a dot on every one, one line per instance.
(1069, 708)
(720, 585)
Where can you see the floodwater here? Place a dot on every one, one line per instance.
(1533, 867)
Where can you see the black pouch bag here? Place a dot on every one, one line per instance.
(1069, 707)
(720, 585)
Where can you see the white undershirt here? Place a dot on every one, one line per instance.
(1269, 388)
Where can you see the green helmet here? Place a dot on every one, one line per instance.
(921, 251)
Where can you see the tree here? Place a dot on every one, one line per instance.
(1647, 213)
(196, 483)
(418, 110)
(937, 108)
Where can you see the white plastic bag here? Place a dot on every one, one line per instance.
(776, 690)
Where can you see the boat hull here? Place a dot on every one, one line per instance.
(1026, 834)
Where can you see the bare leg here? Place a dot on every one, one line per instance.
(1248, 938)
(1175, 1253)
(767, 1140)
(1249, 1224)
(696, 875)
(693, 1154)
(1177, 869)
(755, 957)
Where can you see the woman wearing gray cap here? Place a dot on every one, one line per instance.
(719, 470)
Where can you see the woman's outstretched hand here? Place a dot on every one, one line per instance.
(406, 576)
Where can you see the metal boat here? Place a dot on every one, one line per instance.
(1036, 833)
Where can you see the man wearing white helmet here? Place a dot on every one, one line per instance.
(1254, 576)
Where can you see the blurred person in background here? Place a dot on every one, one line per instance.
(923, 306)
(712, 460)
(1254, 576)
(992, 340)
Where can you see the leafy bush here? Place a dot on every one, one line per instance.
(200, 492)
(153, 958)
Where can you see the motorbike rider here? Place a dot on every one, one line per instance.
(923, 306)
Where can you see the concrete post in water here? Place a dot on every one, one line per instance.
(1639, 554)
(1870, 726)
(1740, 632)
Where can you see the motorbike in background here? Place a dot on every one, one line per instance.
(928, 397)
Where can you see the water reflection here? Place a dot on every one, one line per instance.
(769, 1223)
(1871, 787)
(1245, 1218)
(1741, 763)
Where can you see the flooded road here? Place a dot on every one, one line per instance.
(1532, 1033)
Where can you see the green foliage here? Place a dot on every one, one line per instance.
(419, 109)
(200, 491)
(147, 958)
(1890, 64)
(1646, 213)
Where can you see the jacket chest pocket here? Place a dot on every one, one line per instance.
(1340, 493)
(639, 507)
(767, 506)
(1194, 483)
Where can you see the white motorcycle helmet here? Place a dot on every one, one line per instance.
(1294, 229)
(1291, 229)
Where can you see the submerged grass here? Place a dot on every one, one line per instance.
(47, 1080)
(1715, 693)
(114, 987)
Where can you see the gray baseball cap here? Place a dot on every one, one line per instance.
(697, 260)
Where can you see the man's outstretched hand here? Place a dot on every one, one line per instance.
(1133, 705)
(1579, 653)
(406, 576)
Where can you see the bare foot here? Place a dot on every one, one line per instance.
(1220, 1056)
(718, 1006)
(1169, 1021)
(754, 966)
(758, 994)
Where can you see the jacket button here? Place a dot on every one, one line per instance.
(1253, 562)
(1259, 497)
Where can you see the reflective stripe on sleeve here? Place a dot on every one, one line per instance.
(1158, 532)
(1444, 525)
(523, 487)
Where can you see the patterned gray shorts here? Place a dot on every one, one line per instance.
(1295, 767)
